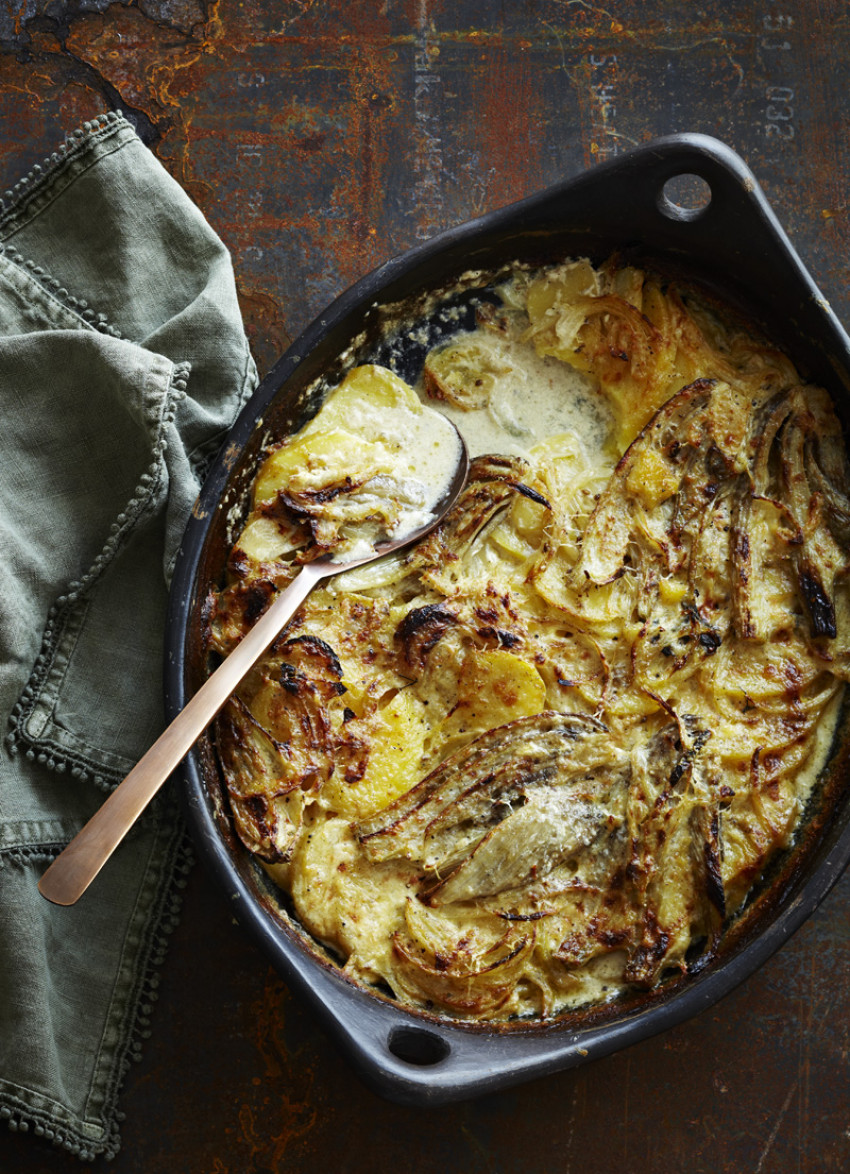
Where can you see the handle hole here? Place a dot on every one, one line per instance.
(415, 1046)
(684, 197)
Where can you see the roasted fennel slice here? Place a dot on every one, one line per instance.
(515, 802)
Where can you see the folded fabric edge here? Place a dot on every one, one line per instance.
(18, 740)
(54, 288)
(70, 1135)
(17, 199)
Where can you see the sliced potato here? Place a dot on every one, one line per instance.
(493, 688)
(315, 459)
(463, 373)
(265, 540)
(394, 736)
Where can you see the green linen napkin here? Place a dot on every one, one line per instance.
(122, 361)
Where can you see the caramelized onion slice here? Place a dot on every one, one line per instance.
(469, 974)
(553, 824)
(491, 486)
(266, 802)
(672, 817)
(790, 435)
(612, 523)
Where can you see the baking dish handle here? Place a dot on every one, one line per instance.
(727, 234)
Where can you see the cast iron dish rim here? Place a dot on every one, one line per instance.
(406, 1054)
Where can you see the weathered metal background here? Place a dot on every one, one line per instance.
(321, 137)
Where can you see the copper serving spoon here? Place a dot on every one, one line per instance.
(75, 868)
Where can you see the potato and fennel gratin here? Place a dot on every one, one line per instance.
(543, 755)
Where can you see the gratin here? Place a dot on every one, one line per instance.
(546, 754)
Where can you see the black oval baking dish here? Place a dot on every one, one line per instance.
(734, 244)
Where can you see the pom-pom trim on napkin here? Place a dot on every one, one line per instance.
(61, 613)
(28, 189)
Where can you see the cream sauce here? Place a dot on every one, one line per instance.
(424, 452)
(533, 398)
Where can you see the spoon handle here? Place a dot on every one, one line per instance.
(75, 868)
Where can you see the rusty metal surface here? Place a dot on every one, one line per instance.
(321, 137)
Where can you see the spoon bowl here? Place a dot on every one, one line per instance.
(75, 868)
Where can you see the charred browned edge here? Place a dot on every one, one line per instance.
(527, 491)
(820, 606)
(421, 629)
(319, 648)
(713, 876)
